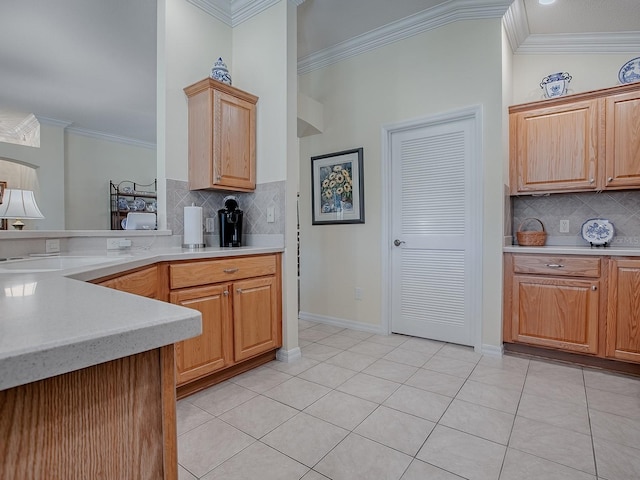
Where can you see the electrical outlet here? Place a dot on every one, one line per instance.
(52, 245)
(358, 293)
(118, 243)
(209, 224)
(564, 226)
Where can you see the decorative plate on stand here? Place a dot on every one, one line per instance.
(597, 231)
(630, 71)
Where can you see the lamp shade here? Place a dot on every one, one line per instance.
(19, 204)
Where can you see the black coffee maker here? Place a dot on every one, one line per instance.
(230, 222)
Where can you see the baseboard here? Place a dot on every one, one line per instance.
(341, 322)
(288, 356)
(492, 350)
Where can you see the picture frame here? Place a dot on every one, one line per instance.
(337, 187)
(4, 223)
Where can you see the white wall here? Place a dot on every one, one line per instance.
(193, 41)
(90, 163)
(260, 67)
(454, 66)
(589, 72)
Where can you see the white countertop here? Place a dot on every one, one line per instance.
(53, 322)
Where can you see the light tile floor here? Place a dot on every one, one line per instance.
(362, 406)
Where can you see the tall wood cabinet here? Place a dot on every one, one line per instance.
(582, 142)
(623, 312)
(222, 137)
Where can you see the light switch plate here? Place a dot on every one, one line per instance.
(271, 214)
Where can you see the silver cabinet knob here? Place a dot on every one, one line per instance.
(226, 293)
(397, 242)
(610, 179)
(591, 180)
(594, 288)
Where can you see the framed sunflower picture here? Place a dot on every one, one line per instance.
(337, 187)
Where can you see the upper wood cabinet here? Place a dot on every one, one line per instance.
(583, 142)
(222, 137)
(623, 140)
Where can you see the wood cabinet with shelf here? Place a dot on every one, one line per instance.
(623, 310)
(582, 142)
(144, 282)
(553, 302)
(222, 137)
(128, 196)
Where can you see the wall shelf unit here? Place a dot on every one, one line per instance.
(128, 196)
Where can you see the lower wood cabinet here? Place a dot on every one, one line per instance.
(623, 310)
(240, 300)
(553, 301)
(241, 317)
(579, 304)
(212, 350)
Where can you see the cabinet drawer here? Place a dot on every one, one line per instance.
(557, 265)
(190, 274)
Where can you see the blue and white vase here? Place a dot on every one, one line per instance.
(556, 84)
(220, 72)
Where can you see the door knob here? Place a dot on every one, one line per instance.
(397, 242)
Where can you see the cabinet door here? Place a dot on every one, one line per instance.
(143, 282)
(556, 312)
(212, 350)
(255, 317)
(555, 148)
(623, 310)
(623, 140)
(234, 142)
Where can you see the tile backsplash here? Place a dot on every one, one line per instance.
(622, 208)
(253, 204)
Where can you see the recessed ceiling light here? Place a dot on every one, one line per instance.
(546, 2)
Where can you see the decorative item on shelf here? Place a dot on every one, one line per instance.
(220, 72)
(630, 71)
(597, 231)
(19, 204)
(531, 238)
(123, 204)
(556, 84)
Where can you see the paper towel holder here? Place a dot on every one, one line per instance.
(193, 246)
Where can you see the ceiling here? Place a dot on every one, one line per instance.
(92, 63)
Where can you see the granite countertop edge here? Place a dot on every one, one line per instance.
(54, 322)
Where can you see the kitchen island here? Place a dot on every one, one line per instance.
(87, 379)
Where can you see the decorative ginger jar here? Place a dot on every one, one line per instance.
(220, 72)
(556, 84)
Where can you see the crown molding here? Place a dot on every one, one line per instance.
(111, 138)
(429, 19)
(234, 12)
(516, 25)
(571, 43)
(53, 121)
(297, 3)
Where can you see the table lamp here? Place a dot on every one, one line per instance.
(19, 204)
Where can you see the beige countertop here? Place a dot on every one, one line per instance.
(53, 322)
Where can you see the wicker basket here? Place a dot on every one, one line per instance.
(531, 238)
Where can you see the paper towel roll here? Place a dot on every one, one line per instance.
(193, 227)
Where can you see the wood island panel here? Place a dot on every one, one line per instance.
(112, 420)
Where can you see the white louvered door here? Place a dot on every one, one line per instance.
(434, 195)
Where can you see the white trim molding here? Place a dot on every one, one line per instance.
(522, 41)
(234, 12)
(429, 19)
(288, 356)
(492, 350)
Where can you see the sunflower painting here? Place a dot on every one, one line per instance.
(337, 187)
